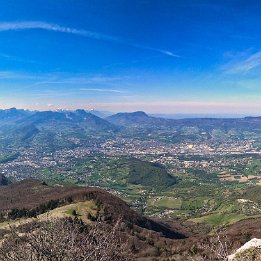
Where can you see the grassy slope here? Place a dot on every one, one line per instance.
(32, 194)
(82, 209)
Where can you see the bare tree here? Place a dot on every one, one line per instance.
(65, 240)
(220, 248)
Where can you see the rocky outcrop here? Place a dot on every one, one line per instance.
(253, 243)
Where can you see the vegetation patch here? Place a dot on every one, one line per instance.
(218, 219)
(149, 174)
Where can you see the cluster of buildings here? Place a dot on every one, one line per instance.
(210, 156)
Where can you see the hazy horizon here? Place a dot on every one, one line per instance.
(104, 114)
(162, 57)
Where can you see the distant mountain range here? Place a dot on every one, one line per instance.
(137, 118)
(50, 128)
(58, 129)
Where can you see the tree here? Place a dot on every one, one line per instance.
(65, 240)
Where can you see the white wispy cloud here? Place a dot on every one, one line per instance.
(162, 51)
(62, 79)
(103, 90)
(244, 65)
(16, 26)
(11, 75)
(8, 26)
(13, 58)
(169, 53)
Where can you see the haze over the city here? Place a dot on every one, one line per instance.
(159, 56)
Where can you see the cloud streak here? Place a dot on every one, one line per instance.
(63, 79)
(103, 90)
(244, 65)
(16, 26)
(29, 25)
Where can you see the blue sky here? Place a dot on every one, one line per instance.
(164, 56)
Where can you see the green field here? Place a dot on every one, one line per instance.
(150, 189)
(220, 219)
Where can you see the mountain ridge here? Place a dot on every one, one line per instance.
(33, 196)
(59, 129)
